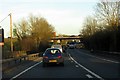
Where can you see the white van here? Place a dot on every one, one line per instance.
(57, 46)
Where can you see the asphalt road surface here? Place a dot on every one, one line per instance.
(78, 65)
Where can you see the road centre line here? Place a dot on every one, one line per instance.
(86, 69)
(89, 76)
(102, 58)
(76, 66)
(25, 70)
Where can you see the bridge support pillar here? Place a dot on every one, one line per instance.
(60, 41)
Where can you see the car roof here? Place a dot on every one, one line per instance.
(52, 49)
(56, 45)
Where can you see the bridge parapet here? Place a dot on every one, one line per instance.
(65, 38)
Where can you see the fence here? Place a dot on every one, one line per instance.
(9, 54)
(7, 63)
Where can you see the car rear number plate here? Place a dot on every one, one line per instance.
(52, 60)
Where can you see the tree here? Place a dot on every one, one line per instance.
(108, 12)
(90, 26)
(33, 31)
(21, 29)
(105, 34)
(41, 30)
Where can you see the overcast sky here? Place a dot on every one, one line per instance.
(66, 16)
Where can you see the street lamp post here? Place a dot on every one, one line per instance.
(118, 16)
(11, 42)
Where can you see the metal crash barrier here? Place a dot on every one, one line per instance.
(8, 63)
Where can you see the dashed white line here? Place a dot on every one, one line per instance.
(89, 76)
(108, 60)
(76, 66)
(86, 69)
(25, 70)
(103, 59)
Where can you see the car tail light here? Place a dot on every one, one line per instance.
(59, 56)
(45, 57)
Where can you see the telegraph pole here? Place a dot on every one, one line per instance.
(11, 42)
(118, 16)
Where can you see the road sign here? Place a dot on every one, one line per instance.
(1, 35)
(1, 43)
(1, 49)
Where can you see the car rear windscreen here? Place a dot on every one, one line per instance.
(55, 52)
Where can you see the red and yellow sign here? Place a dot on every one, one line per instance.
(1, 43)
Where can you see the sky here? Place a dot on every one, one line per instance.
(67, 16)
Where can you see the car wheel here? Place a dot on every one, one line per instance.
(44, 64)
(62, 64)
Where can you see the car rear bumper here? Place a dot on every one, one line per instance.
(53, 61)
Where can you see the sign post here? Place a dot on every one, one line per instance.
(1, 49)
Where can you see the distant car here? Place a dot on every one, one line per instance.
(71, 46)
(57, 46)
(79, 45)
(53, 55)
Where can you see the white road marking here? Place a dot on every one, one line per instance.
(103, 58)
(89, 76)
(76, 66)
(110, 60)
(87, 69)
(69, 59)
(25, 70)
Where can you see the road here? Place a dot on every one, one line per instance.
(78, 64)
